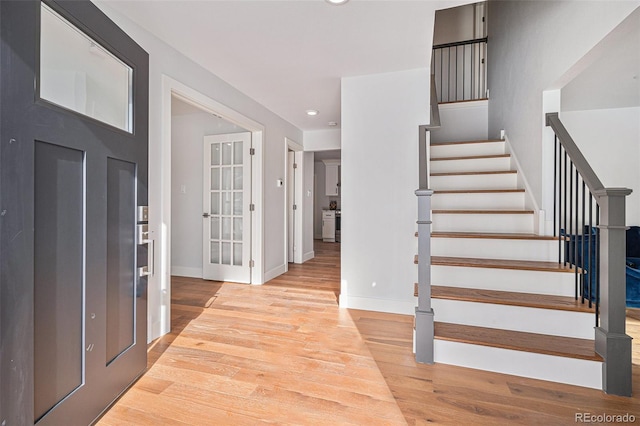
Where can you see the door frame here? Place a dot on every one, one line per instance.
(291, 145)
(172, 87)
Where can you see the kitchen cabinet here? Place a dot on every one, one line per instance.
(329, 225)
(332, 177)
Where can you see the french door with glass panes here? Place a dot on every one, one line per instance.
(227, 208)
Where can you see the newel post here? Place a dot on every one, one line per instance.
(612, 342)
(424, 312)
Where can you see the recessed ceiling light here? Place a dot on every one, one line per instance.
(333, 123)
(312, 112)
(337, 2)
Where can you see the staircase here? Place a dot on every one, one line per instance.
(501, 300)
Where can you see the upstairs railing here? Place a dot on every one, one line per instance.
(589, 221)
(424, 312)
(460, 70)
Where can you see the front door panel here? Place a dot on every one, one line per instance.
(73, 152)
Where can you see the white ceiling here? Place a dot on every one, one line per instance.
(290, 55)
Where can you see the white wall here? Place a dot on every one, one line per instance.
(462, 121)
(322, 140)
(532, 44)
(610, 141)
(164, 60)
(380, 118)
(187, 135)
(454, 24)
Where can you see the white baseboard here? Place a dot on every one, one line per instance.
(404, 307)
(308, 256)
(277, 271)
(184, 271)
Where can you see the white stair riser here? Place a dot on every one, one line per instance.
(509, 223)
(517, 318)
(468, 149)
(488, 181)
(558, 369)
(552, 283)
(485, 248)
(471, 165)
(481, 200)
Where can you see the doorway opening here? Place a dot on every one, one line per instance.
(293, 202)
(210, 211)
(172, 190)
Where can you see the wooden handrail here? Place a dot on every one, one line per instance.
(460, 43)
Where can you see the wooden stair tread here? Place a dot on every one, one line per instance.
(516, 340)
(476, 191)
(490, 172)
(529, 300)
(465, 142)
(526, 265)
(460, 211)
(496, 236)
(471, 157)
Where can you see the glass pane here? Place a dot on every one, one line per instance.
(215, 154)
(79, 74)
(226, 228)
(237, 254)
(237, 177)
(237, 152)
(226, 178)
(226, 253)
(226, 203)
(226, 153)
(215, 228)
(237, 229)
(237, 203)
(215, 178)
(215, 252)
(215, 203)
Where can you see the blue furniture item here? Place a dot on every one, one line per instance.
(633, 241)
(633, 282)
(574, 247)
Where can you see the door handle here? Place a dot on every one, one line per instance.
(205, 215)
(145, 271)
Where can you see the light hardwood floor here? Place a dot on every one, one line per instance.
(284, 353)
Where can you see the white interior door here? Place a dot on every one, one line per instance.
(226, 206)
(291, 201)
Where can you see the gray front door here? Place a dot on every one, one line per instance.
(73, 173)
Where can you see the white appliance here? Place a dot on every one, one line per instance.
(329, 226)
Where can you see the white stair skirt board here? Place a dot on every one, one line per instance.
(485, 248)
(517, 318)
(551, 283)
(479, 201)
(456, 222)
(465, 149)
(552, 368)
(475, 181)
(470, 165)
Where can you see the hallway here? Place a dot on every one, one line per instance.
(281, 353)
(284, 353)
